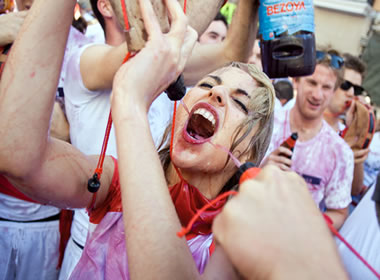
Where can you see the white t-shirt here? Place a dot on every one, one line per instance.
(372, 163)
(326, 162)
(15, 209)
(362, 231)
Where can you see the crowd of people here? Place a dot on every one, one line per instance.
(60, 76)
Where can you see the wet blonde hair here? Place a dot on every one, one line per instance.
(260, 111)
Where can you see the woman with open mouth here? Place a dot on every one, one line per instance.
(142, 202)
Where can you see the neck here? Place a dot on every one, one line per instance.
(331, 119)
(209, 184)
(114, 36)
(306, 128)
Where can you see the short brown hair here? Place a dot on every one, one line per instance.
(355, 63)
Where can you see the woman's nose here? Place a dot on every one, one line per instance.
(218, 95)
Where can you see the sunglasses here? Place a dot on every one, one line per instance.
(346, 85)
(336, 61)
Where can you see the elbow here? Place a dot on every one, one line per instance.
(18, 165)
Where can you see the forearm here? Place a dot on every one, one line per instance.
(357, 183)
(242, 31)
(36, 56)
(236, 47)
(338, 216)
(150, 219)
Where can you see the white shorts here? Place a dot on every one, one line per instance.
(29, 250)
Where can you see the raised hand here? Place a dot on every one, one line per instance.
(10, 25)
(272, 226)
(146, 75)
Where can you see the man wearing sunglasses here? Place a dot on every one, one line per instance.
(320, 155)
(354, 70)
(341, 105)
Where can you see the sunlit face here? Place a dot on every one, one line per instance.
(339, 101)
(255, 57)
(314, 92)
(215, 33)
(218, 104)
(24, 4)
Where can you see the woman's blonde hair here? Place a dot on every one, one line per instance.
(260, 111)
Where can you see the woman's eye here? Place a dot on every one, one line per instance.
(206, 85)
(241, 105)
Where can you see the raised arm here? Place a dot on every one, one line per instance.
(236, 47)
(47, 170)
(150, 219)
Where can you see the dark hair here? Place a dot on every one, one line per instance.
(283, 89)
(98, 15)
(355, 63)
(221, 17)
(80, 24)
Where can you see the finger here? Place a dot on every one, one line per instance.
(275, 162)
(151, 23)
(284, 167)
(177, 16)
(282, 159)
(284, 151)
(187, 47)
(361, 153)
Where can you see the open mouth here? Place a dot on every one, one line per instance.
(201, 125)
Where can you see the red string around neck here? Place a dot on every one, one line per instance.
(187, 229)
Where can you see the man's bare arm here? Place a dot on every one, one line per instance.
(236, 47)
(46, 169)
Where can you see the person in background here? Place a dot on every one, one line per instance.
(29, 231)
(30, 236)
(362, 231)
(284, 90)
(216, 32)
(339, 108)
(320, 155)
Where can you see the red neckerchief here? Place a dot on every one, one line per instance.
(188, 200)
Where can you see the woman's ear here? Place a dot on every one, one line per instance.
(105, 8)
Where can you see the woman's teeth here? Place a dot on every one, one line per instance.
(206, 114)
